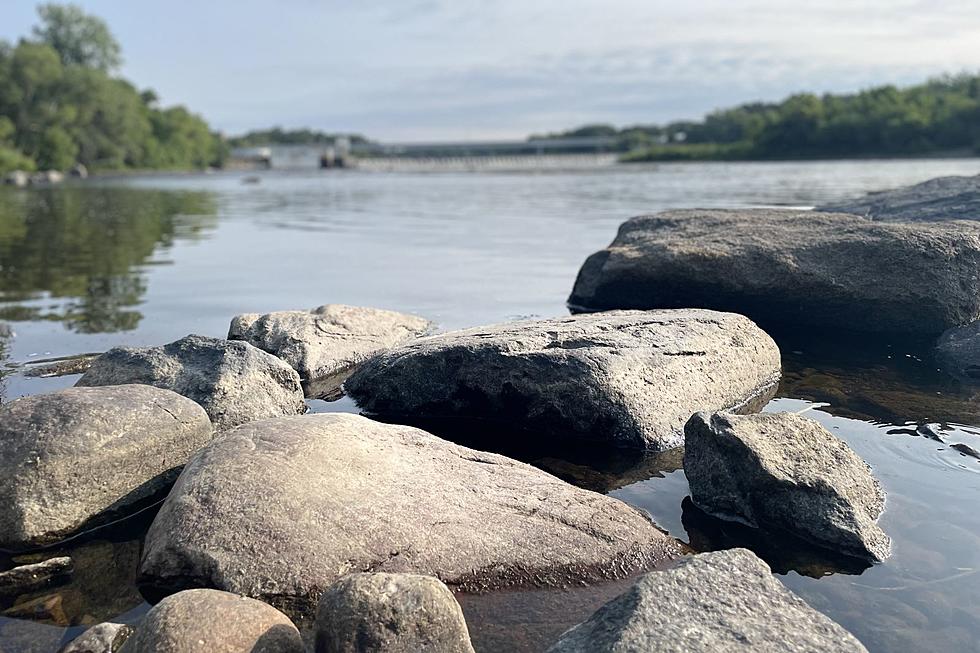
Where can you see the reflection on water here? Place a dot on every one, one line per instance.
(74, 254)
(468, 249)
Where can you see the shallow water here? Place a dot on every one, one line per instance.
(147, 260)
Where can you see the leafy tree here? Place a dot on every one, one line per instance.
(78, 38)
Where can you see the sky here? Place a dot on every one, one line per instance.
(434, 70)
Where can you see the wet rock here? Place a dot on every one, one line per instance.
(234, 381)
(25, 578)
(782, 471)
(396, 613)
(102, 638)
(628, 378)
(61, 367)
(724, 601)
(208, 620)
(942, 198)
(18, 178)
(78, 171)
(958, 352)
(336, 493)
(795, 268)
(325, 344)
(47, 177)
(74, 458)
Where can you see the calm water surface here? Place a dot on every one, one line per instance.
(147, 260)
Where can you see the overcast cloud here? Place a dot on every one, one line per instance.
(434, 69)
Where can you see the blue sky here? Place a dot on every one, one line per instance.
(408, 70)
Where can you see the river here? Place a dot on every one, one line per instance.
(145, 260)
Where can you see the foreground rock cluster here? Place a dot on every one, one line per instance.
(371, 526)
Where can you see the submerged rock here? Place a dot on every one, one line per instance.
(958, 352)
(282, 508)
(791, 267)
(25, 578)
(395, 613)
(628, 378)
(325, 344)
(234, 381)
(73, 458)
(723, 601)
(942, 198)
(786, 472)
(102, 638)
(208, 620)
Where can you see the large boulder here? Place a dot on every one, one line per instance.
(958, 352)
(204, 620)
(807, 269)
(628, 378)
(234, 381)
(723, 601)
(325, 344)
(942, 198)
(78, 457)
(783, 471)
(280, 509)
(395, 613)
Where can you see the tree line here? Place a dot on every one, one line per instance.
(939, 116)
(61, 104)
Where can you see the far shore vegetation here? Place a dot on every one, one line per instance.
(939, 117)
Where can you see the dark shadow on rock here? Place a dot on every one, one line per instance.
(782, 551)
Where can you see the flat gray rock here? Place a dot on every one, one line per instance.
(395, 613)
(796, 268)
(628, 378)
(786, 472)
(195, 621)
(73, 458)
(280, 509)
(25, 578)
(325, 344)
(710, 603)
(102, 638)
(939, 199)
(958, 352)
(234, 381)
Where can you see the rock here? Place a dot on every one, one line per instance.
(17, 178)
(234, 381)
(325, 344)
(75, 458)
(79, 171)
(60, 366)
(723, 601)
(943, 198)
(958, 352)
(202, 620)
(330, 494)
(628, 378)
(25, 578)
(101, 638)
(47, 177)
(396, 613)
(782, 471)
(815, 270)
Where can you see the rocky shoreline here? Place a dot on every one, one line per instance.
(373, 525)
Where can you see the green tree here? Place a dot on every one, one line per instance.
(78, 38)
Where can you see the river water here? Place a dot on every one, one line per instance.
(147, 260)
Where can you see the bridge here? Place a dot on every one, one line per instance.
(372, 154)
